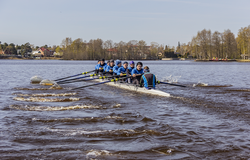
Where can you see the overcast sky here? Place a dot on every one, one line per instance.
(166, 22)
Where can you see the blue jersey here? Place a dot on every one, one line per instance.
(105, 67)
(122, 70)
(96, 66)
(101, 66)
(115, 69)
(108, 68)
(135, 71)
(130, 69)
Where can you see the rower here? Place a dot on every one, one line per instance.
(104, 68)
(101, 66)
(129, 70)
(122, 70)
(118, 64)
(148, 80)
(110, 67)
(136, 73)
(96, 66)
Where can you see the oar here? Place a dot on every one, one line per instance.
(91, 75)
(112, 80)
(102, 77)
(74, 75)
(172, 84)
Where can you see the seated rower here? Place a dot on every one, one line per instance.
(101, 66)
(137, 73)
(104, 68)
(148, 80)
(96, 67)
(117, 66)
(129, 70)
(109, 68)
(122, 70)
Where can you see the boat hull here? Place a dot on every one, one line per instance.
(136, 89)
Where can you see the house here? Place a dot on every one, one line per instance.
(245, 56)
(112, 51)
(36, 53)
(45, 52)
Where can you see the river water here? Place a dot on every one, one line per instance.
(208, 119)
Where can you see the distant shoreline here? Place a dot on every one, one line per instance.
(166, 59)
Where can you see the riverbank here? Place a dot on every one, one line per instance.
(29, 58)
(209, 60)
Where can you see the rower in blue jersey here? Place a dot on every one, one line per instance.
(137, 73)
(123, 70)
(131, 67)
(148, 80)
(118, 64)
(96, 66)
(101, 66)
(109, 68)
(129, 70)
(104, 68)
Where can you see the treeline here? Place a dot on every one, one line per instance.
(206, 45)
(97, 49)
(12, 48)
(23, 49)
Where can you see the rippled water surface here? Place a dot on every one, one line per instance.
(209, 119)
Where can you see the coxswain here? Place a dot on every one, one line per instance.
(137, 73)
(109, 68)
(101, 66)
(118, 64)
(148, 80)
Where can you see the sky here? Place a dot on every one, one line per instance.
(166, 22)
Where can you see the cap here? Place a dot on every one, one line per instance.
(112, 60)
(131, 62)
(125, 62)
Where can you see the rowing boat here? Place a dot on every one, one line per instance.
(132, 87)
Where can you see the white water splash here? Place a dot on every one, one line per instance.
(76, 119)
(171, 79)
(46, 95)
(50, 108)
(94, 153)
(39, 99)
(200, 84)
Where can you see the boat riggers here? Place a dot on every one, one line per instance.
(74, 75)
(91, 75)
(159, 82)
(112, 80)
(102, 77)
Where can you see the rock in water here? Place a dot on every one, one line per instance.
(35, 79)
